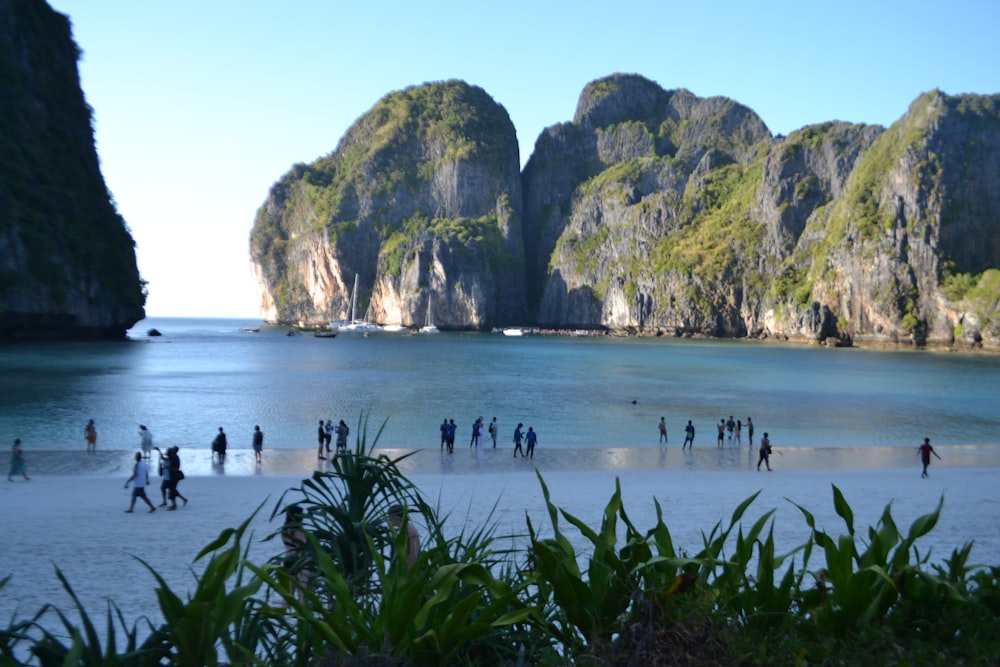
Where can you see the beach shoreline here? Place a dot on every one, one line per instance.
(198, 462)
(77, 523)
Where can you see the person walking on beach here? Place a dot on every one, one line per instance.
(90, 435)
(925, 450)
(750, 431)
(493, 432)
(145, 441)
(663, 430)
(258, 444)
(530, 439)
(342, 432)
(164, 476)
(518, 436)
(765, 453)
(444, 433)
(321, 435)
(722, 432)
(688, 436)
(140, 475)
(17, 466)
(219, 445)
(176, 475)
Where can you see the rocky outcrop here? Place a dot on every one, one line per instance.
(658, 212)
(421, 200)
(654, 212)
(67, 259)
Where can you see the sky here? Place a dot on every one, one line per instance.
(199, 107)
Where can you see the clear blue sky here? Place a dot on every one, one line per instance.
(201, 105)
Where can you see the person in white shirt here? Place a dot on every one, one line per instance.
(140, 475)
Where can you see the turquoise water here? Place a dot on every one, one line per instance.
(582, 395)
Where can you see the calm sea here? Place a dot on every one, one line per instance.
(594, 401)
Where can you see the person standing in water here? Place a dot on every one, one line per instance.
(17, 466)
(321, 436)
(257, 443)
(518, 436)
(90, 435)
(750, 431)
(663, 430)
(493, 432)
(219, 445)
(342, 432)
(924, 451)
(688, 436)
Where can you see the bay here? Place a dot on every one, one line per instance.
(585, 396)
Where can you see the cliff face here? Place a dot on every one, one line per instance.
(67, 259)
(421, 200)
(653, 211)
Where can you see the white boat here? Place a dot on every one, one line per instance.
(355, 325)
(513, 331)
(429, 327)
(395, 328)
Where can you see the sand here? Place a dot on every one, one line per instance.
(77, 522)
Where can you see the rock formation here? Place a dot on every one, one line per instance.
(67, 259)
(421, 199)
(654, 212)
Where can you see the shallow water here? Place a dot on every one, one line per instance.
(595, 402)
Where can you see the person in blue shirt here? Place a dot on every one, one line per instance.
(518, 436)
(530, 439)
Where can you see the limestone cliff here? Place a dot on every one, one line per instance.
(421, 199)
(652, 211)
(67, 259)
(659, 212)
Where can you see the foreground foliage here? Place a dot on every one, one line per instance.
(345, 594)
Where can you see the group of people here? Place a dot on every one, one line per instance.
(170, 476)
(325, 435)
(482, 430)
(732, 428)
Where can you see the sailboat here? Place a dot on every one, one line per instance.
(356, 325)
(429, 327)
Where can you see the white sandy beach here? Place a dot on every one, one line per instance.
(77, 523)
